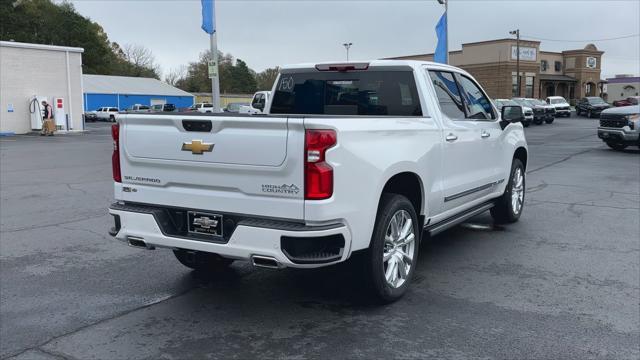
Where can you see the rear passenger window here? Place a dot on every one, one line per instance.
(448, 94)
(478, 105)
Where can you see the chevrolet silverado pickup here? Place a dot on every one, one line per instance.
(356, 158)
(620, 127)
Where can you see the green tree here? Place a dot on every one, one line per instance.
(235, 75)
(266, 78)
(44, 22)
(243, 80)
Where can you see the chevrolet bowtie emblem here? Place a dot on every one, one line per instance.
(197, 147)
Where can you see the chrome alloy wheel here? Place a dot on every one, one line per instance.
(399, 248)
(517, 191)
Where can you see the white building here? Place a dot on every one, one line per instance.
(49, 72)
(622, 87)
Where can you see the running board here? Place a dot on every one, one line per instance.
(443, 225)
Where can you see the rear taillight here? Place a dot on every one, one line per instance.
(115, 157)
(318, 175)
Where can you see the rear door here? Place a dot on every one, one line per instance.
(218, 163)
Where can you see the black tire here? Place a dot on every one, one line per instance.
(577, 112)
(112, 118)
(616, 146)
(503, 211)
(589, 114)
(374, 265)
(202, 261)
(526, 124)
(537, 122)
(549, 121)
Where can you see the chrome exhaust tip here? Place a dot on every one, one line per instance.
(265, 262)
(138, 242)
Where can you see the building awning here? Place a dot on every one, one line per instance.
(549, 77)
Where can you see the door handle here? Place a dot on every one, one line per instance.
(451, 138)
(485, 134)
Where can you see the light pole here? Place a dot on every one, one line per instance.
(446, 11)
(517, 34)
(347, 46)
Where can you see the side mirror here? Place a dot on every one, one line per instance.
(511, 114)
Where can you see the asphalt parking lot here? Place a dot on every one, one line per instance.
(564, 282)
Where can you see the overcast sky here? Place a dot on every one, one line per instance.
(270, 33)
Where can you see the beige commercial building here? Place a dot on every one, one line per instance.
(34, 71)
(571, 73)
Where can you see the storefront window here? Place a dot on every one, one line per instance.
(514, 85)
(528, 92)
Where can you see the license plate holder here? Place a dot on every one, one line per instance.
(204, 224)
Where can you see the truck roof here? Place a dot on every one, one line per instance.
(411, 63)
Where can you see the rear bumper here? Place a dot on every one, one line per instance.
(249, 239)
(619, 135)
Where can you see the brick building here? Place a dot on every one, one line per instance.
(570, 73)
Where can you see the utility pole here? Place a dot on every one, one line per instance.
(446, 11)
(517, 34)
(347, 46)
(213, 68)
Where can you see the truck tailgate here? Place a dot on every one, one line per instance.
(247, 165)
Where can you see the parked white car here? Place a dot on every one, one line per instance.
(560, 104)
(362, 157)
(202, 107)
(528, 112)
(139, 108)
(258, 104)
(107, 113)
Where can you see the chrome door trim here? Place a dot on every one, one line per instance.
(471, 191)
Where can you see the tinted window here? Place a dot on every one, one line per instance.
(257, 100)
(595, 100)
(347, 93)
(448, 94)
(169, 107)
(207, 105)
(113, 109)
(478, 106)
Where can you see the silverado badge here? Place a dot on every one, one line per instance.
(197, 147)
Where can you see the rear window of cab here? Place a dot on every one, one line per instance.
(368, 92)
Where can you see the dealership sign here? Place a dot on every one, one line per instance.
(526, 53)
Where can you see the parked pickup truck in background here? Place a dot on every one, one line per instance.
(362, 158)
(528, 112)
(591, 106)
(620, 127)
(560, 104)
(107, 114)
(258, 104)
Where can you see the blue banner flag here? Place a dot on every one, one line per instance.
(441, 31)
(208, 16)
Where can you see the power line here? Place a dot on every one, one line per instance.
(586, 40)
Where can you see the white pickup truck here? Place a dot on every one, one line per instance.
(258, 104)
(353, 157)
